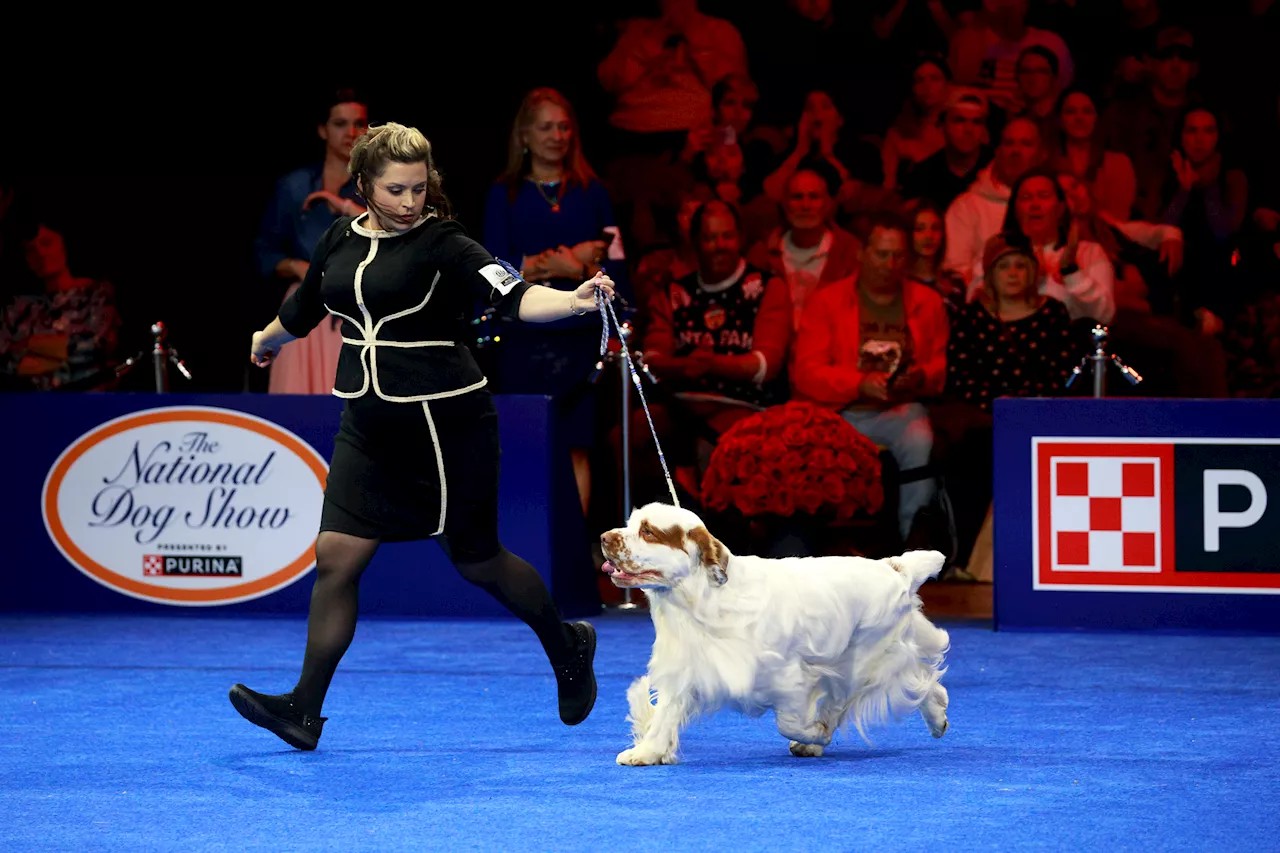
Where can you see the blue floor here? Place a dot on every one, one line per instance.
(116, 734)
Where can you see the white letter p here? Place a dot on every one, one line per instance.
(1215, 519)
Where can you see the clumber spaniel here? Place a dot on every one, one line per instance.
(823, 641)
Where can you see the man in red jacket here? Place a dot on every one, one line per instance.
(871, 347)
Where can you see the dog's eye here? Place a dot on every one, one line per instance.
(646, 533)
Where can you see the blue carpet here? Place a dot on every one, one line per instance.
(116, 734)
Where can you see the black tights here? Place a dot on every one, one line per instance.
(331, 624)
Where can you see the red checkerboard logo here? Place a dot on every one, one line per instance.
(153, 564)
(1104, 512)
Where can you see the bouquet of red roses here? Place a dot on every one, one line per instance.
(792, 458)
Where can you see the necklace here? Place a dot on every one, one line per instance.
(554, 202)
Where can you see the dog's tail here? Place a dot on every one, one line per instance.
(918, 566)
(640, 706)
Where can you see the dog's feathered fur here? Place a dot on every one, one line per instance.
(823, 641)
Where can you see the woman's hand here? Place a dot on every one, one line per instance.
(584, 298)
(266, 345)
(339, 205)
(1171, 254)
(1185, 172)
(1073, 245)
(589, 252)
(562, 263)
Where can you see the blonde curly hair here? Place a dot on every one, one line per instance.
(388, 143)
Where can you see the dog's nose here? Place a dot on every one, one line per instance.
(608, 538)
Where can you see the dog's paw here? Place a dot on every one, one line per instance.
(639, 756)
(806, 750)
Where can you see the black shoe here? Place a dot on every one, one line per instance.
(278, 715)
(576, 679)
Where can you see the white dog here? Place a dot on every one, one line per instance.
(823, 641)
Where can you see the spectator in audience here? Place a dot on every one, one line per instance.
(1076, 272)
(916, 135)
(1038, 88)
(733, 104)
(928, 248)
(1079, 150)
(62, 335)
(1144, 127)
(819, 137)
(718, 340)
(872, 347)
(305, 203)
(661, 72)
(1208, 201)
(670, 259)
(951, 171)
(1174, 360)
(1012, 341)
(812, 251)
(986, 52)
(978, 215)
(549, 215)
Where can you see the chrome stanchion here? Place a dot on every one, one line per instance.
(162, 355)
(1098, 361)
(625, 331)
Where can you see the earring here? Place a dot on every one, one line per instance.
(526, 149)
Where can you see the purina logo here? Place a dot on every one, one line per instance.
(1173, 515)
(184, 492)
(158, 565)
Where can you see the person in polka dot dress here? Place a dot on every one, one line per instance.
(1011, 341)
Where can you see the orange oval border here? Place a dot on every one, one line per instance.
(119, 582)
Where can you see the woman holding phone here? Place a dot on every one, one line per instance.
(549, 215)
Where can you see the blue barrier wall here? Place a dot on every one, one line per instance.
(76, 522)
(1154, 514)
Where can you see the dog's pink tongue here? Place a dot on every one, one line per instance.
(608, 568)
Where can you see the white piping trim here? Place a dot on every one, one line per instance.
(369, 342)
(444, 486)
(384, 235)
(409, 344)
(408, 311)
(422, 398)
(763, 370)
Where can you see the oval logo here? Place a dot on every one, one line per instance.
(188, 505)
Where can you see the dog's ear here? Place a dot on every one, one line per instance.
(712, 554)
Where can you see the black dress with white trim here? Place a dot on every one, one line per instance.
(416, 454)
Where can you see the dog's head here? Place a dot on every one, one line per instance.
(661, 547)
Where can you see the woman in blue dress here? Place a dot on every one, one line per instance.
(549, 215)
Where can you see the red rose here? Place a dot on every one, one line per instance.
(793, 435)
(791, 463)
(756, 488)
(846, 462)
(772, 448)
(745, 505)
(747, 467)
(833, 489)
(782, 502)
(822, 459)
(809, 500)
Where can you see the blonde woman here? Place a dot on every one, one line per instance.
(416, 455)
(1011, 341)
(549, 212)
